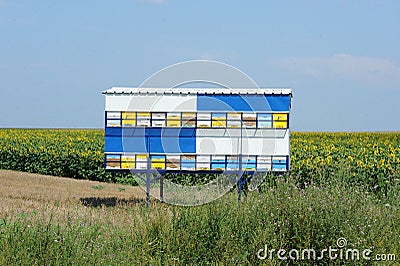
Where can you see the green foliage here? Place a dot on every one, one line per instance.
(340, 185)
(368, 159)
(283, 216)
(71, 153)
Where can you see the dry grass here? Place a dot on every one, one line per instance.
(26, 193)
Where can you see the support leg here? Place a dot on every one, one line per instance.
(241, 182)
(148, 179)
(162, 188)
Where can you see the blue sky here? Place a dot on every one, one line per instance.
(341, 58)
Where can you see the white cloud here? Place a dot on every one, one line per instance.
(346, 66)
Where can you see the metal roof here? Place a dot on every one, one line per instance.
(262, 91)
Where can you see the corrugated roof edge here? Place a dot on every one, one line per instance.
(133, 90)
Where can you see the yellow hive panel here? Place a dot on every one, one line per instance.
(128, 165)
(158, 165)
(128, 115)
(141, 157)
(280, 117)
(143, 115)
(188, 115)
(218, 122)
(280, 124)
(157, 160)
(128, 123)
(173, 123)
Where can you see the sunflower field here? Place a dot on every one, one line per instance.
(75, 153)
(371, 159)
(368, 159)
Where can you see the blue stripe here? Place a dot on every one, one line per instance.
(113, 144)
(187, 145)
(279, 103)
(135, 144)
(118, 144)
(126, 131)
(155, 145)
(243, 103)
(113, 131)
(178, 132)
(150, 144)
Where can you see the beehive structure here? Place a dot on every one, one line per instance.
(197, 129)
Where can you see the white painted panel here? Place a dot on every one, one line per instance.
(117, 102)
(266, 133)
(210, 132)
(221, 132)
(266, 146)
(153, 103)
(245, 132)
(250, 145)
(217, 145)
(282, 146)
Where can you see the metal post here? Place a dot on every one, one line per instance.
(148, 177)
(162, 188)
(239, 183)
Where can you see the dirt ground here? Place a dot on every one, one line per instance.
(26, 193)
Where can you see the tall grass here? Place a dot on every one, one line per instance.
(279, 216)
(340, 185)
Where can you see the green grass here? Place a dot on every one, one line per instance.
(280, 216)
(98, 187)
(340, 185)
